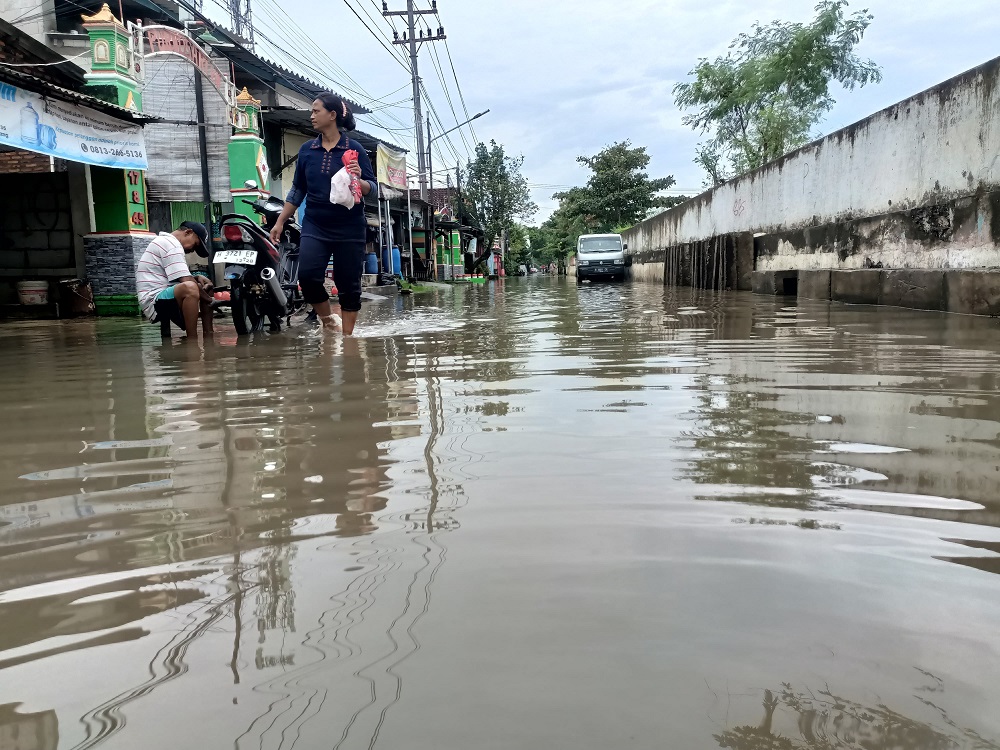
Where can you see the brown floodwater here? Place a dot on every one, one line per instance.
(521, 515)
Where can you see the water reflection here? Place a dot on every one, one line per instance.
(819, 719)
(517, 502)
(28, 731)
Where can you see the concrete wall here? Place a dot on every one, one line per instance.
(36, 226)
(34, 17)
(916, 185)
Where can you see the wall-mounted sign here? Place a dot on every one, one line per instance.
(47, 126)
(390, 167)
(263, 171)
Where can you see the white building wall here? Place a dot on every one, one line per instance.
(939, 147)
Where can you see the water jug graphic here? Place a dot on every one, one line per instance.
(47, 137)
(29, 125)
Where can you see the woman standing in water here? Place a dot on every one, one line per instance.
(329, 229)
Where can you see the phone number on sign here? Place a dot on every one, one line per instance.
(112, 151)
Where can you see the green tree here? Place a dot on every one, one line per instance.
(619, 192)
(519, 250)
(558, 234)
(763, 98)
(495, 193)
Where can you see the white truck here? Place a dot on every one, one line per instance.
(600, 256)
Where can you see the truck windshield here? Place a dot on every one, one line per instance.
(600, 245)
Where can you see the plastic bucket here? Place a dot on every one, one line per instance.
(33, 292)
(371, 263)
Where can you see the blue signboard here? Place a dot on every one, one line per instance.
(47, 126)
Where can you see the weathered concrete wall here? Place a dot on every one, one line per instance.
(966, 291)
(916, 185)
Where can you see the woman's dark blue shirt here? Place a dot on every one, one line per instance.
(315, 168)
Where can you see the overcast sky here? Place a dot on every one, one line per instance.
(567, 77)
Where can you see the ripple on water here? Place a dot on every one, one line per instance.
(294, 541)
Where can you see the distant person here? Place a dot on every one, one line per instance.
(329, 229)
(166, 287)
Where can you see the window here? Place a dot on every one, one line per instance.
(601, 244)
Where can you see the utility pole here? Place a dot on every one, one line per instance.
(430, 196)
(411, 40)
(241, 15)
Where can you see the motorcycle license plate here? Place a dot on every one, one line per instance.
(236, 257)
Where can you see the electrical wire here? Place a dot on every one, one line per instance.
(436, 61)
(375, 28)
(43, 65)
(37, 16)
(387, 49)
(434, 116)
(307, 94)
(298, 40)
(297, 33)
(461, 96)
(301, 38)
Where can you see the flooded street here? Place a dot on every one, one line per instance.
(506, 516)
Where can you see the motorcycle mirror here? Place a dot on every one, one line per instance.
(250, 185)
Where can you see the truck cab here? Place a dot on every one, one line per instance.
(600, 256)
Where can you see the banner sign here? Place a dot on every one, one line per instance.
(391, 168)
(167, 40)
(47, 126)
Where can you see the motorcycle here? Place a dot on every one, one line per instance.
(263, 280)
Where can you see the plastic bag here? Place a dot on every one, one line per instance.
(351, 157)
(340, 189)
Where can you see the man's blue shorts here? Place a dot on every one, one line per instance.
(166, 307)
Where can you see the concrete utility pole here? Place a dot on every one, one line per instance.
(411, 40)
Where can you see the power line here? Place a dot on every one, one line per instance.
(387, 49)
(461, 96)
(446, 138)
(436, 61)
(299, 41)
(44, 65)
(292, 33)
(296, 37)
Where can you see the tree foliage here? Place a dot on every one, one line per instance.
(763, 98)
(618, 194)
(495, 193)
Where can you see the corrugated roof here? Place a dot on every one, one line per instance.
(235, 50)
(299, 119)
(38, 86)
